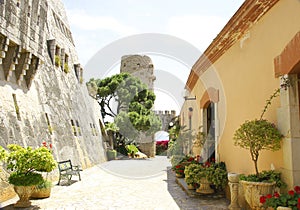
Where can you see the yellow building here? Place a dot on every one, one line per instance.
(237, 74)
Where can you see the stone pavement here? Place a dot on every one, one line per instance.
(125, 184)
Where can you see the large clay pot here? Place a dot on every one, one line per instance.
(24, 193)
(41, 193)
(190, 187)
(179, 175)
(205, 187)
(254, 190)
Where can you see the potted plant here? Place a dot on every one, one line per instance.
(131, 150)
(217, 175)
(257, 135)
(42, 190)
(202, 179)
(190, 173)
(289, 200)
(180, 165)
(211, 174)
(111, 154)
(24, 165)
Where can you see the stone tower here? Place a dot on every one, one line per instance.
(42, 94)
(141, 66)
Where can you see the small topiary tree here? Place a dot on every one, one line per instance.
(259, 134)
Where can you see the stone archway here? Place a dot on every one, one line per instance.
(288, 63)
(208, 106)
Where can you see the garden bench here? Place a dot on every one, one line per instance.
(67, 170)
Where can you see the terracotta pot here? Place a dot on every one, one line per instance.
(190, 187)
(41, 193)
(254, 190)
(205, 187)
(179, 175)
(24, 193)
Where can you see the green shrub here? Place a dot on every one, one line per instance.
(66, 68)
(25, 179)
(57, 61)
(131, 149)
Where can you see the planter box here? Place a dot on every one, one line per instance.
(253, 191)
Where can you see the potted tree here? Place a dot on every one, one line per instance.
(25, 165)
(257, 135)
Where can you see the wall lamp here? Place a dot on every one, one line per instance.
(187, 98)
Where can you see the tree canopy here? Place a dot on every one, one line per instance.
(133, 103)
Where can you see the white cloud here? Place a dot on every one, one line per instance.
(196, 29)
(80, 19)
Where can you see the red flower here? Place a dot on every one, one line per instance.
(291, 192)
(298, 200)
(269, 196)
(180, 171)
(50, 145)
(276, 195)
(297, 189)
(262, 199)
(178, 166)
(44, 144)
(190, 159)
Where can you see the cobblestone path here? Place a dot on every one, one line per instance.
(147, 184)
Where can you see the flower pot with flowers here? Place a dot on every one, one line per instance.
(289, 200)
(211, 174)
(43, 190)
(202, 178)
(257, 135)
(190, 173)
(179, 167)
(25, 165)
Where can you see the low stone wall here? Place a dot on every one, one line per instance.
(148, 148)
(7, 190)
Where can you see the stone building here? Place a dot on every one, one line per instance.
(141, 66)
(238, 72)
(42, 94)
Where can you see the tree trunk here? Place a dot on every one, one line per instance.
(255, 164)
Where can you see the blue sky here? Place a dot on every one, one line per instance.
(98, 23)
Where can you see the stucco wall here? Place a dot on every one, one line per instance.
(246, 72)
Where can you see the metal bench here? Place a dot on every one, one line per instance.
(67, 170)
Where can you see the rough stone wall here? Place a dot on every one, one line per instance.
(140, 66)
(166, 117)
(41, 99)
